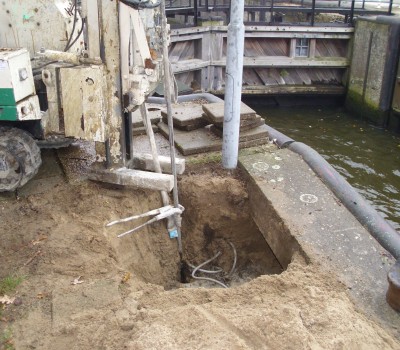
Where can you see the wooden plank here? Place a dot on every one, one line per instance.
(290, 35)
(336, 62)
(292, 52)
(311, 52)
(189, 65)
(326, 29)
(291, 89)
(190, 37)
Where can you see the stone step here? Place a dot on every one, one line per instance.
(135, 178)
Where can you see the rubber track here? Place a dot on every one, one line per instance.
(21, 145)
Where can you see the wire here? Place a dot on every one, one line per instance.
(229, 275)
(79, 34)
(207, 278)
(43, 65)
(73, 26)
(218, 270)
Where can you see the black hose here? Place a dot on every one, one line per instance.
(377, 226)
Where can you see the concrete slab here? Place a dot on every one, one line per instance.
(137, 131)
(186, 117)
(144, 161)
(203, 140)
(215, 112)
(314, 222)
(218, 130)
(246, 135)
(154, 112)
(134, 178)
(257, 121)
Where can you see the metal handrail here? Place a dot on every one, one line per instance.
(348, 8)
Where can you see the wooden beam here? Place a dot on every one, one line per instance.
(311, 53)
(189, 65)
(283, 61)
(291, 90)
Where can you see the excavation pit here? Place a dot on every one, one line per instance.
(217, 221)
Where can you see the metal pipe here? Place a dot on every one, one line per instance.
(390, 7)
(233, 89)
(313, 13)
(156, 161)
(353, 3)
(167, 90)
(377, 226)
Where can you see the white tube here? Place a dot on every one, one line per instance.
(233, 86)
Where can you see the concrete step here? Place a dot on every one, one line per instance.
(144, 161)
(135, 178)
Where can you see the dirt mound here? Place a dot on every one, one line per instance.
(129, 295)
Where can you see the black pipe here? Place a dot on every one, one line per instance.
(196, 13)
(377, 226)
(281, 140)
(313, 13)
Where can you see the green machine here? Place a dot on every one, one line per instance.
(19, 154)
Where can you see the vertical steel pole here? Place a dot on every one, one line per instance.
(233, 86)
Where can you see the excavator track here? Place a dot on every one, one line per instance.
(19, 158)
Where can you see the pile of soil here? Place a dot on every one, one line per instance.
(129, 295)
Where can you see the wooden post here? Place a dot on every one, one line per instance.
(311, 52)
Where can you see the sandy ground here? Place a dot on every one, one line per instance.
(131, 296)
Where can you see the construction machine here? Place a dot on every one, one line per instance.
(74, 70)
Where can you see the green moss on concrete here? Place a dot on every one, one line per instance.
(366, 109)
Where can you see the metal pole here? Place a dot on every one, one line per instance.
(167, 93)
(313, 13)
(233, 86)
(196, 13)
(352, 11)
(390, 7)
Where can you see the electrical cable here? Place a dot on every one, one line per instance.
(79, 34)
(42, 66)
(219, 270)
(229, 275)
(73, 26)
(208, 278)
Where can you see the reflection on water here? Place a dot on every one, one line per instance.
(369, 158)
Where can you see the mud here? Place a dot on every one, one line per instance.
(131, 296)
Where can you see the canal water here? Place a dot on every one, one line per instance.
(369, 158)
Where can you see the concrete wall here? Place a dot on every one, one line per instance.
(373, 67)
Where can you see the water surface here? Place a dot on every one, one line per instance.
(369, 158)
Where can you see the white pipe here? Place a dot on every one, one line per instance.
(233, 86)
